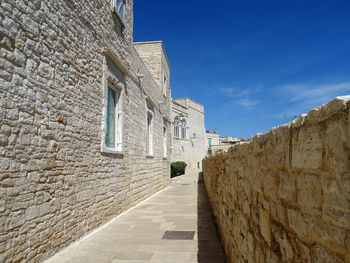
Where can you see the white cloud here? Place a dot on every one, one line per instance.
(228, 91)
(304, 97)
(247, 103)
(316, 94)
(241, 97)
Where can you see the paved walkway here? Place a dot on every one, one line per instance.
(139, 235)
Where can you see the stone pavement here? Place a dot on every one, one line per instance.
(139, 235)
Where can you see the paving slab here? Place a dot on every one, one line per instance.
(138, 236)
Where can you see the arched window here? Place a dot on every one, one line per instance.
(176, 127)
(183, 129)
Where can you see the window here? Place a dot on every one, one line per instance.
(164, 143)
(165, 84)
(183, 129)
(113, 133)
(149, 134)
(149, 127)
(176, 127)
(119, 8)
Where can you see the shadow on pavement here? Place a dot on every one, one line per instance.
(209, 247)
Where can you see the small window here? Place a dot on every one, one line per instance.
(176, 127)
(149, 130)
(183, 129)
(113, 136)
(165, 86)
(119, 8)
(164, 143)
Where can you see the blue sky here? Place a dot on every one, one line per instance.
(252, 64)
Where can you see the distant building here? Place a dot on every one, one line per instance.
(215, 143)
(212, 139)
(188, 133)
(230, 140)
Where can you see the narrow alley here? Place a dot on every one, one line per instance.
(175, 225)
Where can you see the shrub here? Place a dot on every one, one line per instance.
(177, 168)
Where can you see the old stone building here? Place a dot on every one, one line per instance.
(188, 133)
(85, 124)
(187, 115)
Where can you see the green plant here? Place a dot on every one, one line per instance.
(177, 168)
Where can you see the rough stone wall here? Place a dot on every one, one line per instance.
(55, 183)
(192, 149)
(155, 60)
(284, 196)
(154, 57)
(147, 174)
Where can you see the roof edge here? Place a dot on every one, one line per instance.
(189, 99)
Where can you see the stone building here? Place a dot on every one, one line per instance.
(187, 115)
(212, 140)
(188, 133)
(85, 128)
(217, 144)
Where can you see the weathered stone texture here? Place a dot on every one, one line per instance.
(55, 183)
(154, 57)
(284, 196)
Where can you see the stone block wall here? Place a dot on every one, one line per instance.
(148, 174)
(56, 184)
(154, 56)
(285, 196)
(192, 149)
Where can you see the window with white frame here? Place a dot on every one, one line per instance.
(149, 129)
(113, 125)
(119, 9)
(183, 129)
(176, 127)
(164, 143)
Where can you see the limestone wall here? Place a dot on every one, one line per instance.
(156, 61)
(56, 184)
(285, 196)
(192, 149)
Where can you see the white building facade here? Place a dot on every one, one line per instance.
(188, 133)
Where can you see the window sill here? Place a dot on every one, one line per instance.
(180, 139)
(111, 151)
